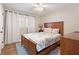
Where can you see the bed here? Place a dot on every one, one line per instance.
(37, 43)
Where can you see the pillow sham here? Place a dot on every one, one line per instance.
(48, 30)
(55, 31)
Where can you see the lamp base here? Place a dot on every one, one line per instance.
(40, 30)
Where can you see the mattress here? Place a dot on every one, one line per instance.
(42, 39)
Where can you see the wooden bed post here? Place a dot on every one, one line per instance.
(30, 44)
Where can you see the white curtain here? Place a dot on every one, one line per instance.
(12, 28)
(16, 25)
(31, 24)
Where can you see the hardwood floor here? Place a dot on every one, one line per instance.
(9, 49)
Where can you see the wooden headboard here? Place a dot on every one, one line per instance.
(59, 25)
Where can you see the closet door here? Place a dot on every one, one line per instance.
(31, 24)
(1, 30)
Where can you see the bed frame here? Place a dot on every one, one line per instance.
(31, 45)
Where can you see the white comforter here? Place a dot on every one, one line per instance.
(43, 39)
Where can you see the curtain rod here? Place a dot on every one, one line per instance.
(18, 13)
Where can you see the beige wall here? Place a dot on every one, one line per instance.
(70, 16)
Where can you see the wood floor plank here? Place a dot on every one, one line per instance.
(9, 49)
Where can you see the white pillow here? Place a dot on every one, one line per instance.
(55, 31)
(48, 30)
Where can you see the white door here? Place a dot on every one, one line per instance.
(1, 32)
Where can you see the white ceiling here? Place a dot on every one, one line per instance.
(27, 8)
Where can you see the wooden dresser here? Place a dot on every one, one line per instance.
(69, 44)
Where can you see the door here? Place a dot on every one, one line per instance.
(1, 32)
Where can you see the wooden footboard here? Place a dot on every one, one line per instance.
(32, 46)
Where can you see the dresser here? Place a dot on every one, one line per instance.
(69, 44)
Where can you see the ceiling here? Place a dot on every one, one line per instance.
(28, 9)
